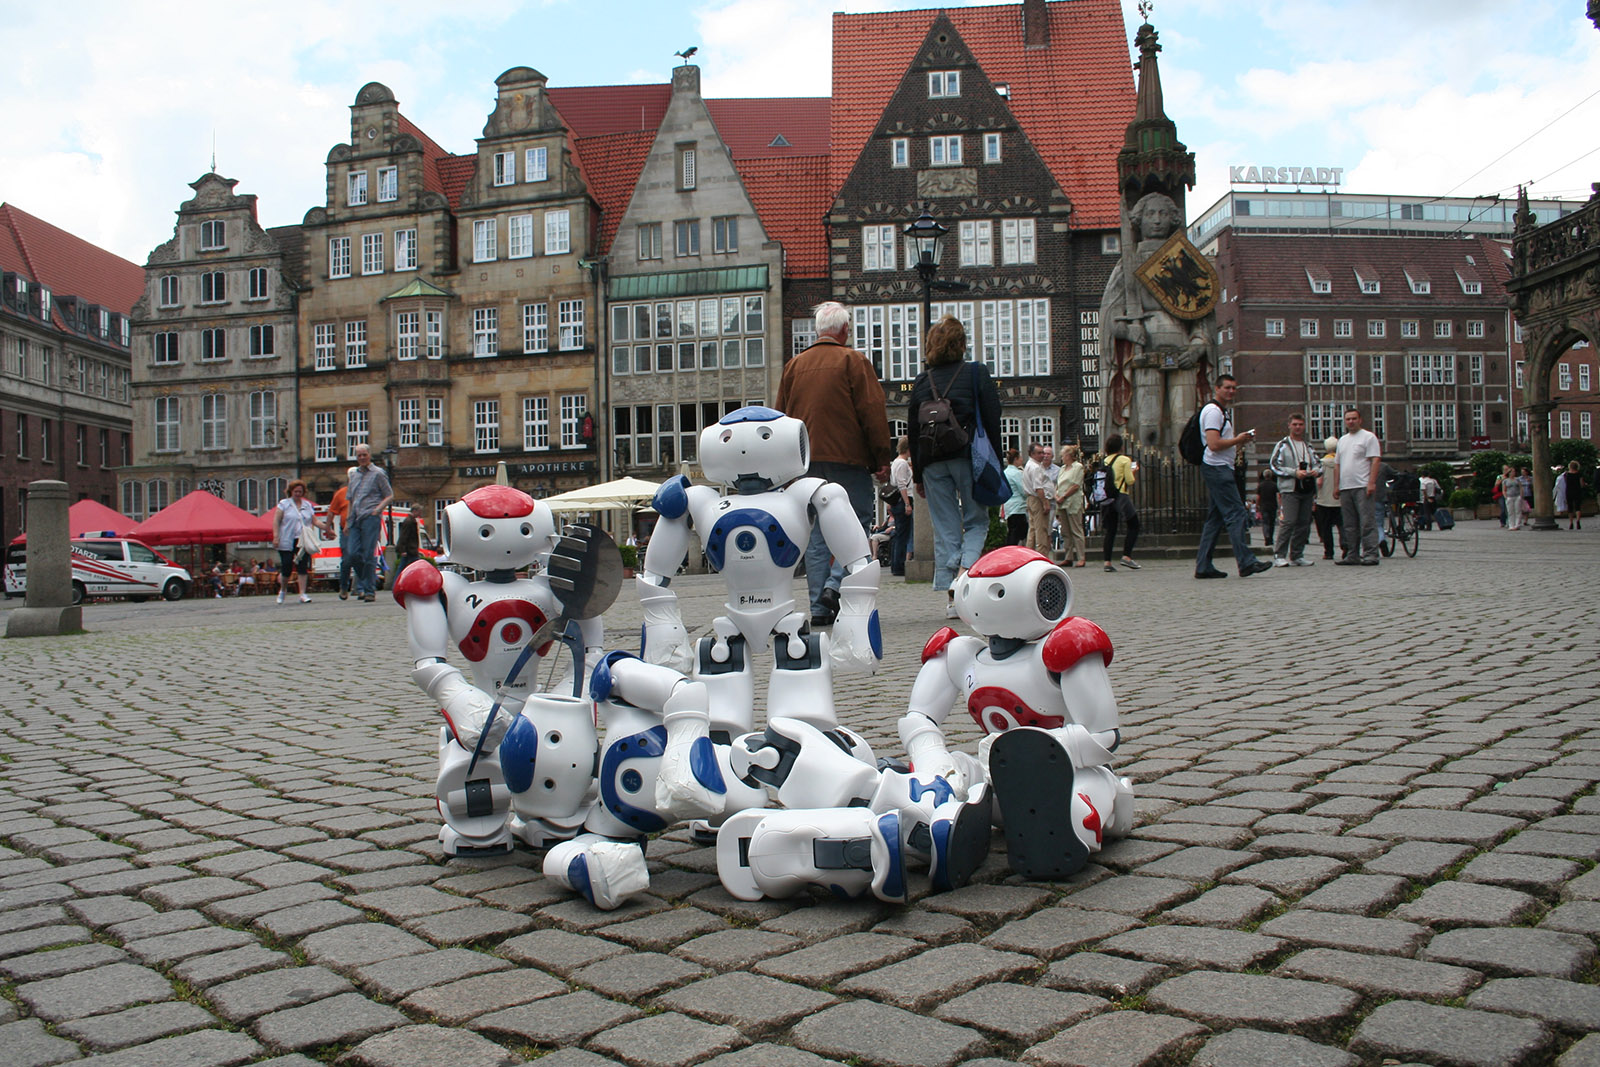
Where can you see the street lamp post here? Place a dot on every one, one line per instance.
(927, 235)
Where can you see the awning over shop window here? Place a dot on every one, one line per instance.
(688, 283)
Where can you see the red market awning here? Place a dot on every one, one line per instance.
(203, 519)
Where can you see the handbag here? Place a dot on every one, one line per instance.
(989, 486)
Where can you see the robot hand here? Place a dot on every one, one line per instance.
(689, 783)
(925, 748)
(857, 644)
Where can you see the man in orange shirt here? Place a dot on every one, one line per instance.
(339, 508)
(834, 390)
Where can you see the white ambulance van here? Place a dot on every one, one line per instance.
(106, 565)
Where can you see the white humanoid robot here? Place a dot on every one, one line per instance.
(1037, 685)
(515, 762)
(754, 537)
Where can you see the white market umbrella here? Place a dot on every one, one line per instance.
(623, 494)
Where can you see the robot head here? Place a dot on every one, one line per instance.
(755, 449)
(549, 755)
(1014, 592)
(496, 528)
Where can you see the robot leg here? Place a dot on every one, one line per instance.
(655, 713)
(1055, 813)
(476, 810)
(730, 683)
(801, 683)
(804, 766)
(847, 850)
(946, 828)
(603, 871)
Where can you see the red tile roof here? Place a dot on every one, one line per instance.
(596, 110)
(611, 164)
(1073, 99)
(1269, 268)
(791, 197)
(67, 265)
(442, 172)
(748, 126)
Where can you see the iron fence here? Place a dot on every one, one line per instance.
(1169, 493)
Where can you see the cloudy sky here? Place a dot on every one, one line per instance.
(116, 109)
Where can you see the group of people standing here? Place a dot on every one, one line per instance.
(1054, 492)
(359, 506)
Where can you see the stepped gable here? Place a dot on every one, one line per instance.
(65, 264)
(1072, 92)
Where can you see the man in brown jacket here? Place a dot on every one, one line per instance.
(834, 390)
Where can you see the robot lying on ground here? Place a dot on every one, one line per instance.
(1035, 682)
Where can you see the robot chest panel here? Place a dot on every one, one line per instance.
(488, 627)
(1014, 692)
(751, 535)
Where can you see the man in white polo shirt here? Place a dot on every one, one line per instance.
(1227, 509)
(1356, 463)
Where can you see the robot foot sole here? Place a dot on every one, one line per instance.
(454, 844)
(961, 843)
(1032, 778)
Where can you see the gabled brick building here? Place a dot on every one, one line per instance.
(1414, 331)
(65, 308)
(1005, 122)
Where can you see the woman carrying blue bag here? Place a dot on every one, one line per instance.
(942, 469)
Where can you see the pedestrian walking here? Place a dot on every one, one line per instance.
(1118, 511)
(1226, 508)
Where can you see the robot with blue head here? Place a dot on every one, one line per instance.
(516, 762)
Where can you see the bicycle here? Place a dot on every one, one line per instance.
(1403, 529)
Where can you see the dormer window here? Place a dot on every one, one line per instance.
(505, 168)
(213, 235)
(943, 83)
(1470, 285)
(1420, 283)
(1367, 279)
(1320, 280)
(535, 165)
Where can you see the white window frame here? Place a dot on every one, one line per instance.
(213, 235)
(433, 334)
(1430, 368)
(408, 421)
(943, 84)
(1375, 369)
(165, 424)
(485, 241)
(570, 324)
(557, 232)
(944, 150)
(535, 328)
(357, 431)
(262, 412)
(433, 422)
(213, 422)
(213, 288)
(1585, 426)
(407, 335)
(686, 237)
(505, 168)
(1584, 377)
(372, 253)
(1017, 242)
(1330, 368)
(991, 148)
(877, 247)
(900, 152)
(535, 165)
(163, 351)
(355, 344)
(257, 282)
(1376, 327)
(338, 257)
(355, 192)
(1474, 328)
(1564, 421)
(725, 233)
(388, 184)
(1563, 376)
(1410, 328)
(485, 332)
(687, 176)
(977, 242)
(1310, 327)
(649, 237)
(572, 409)
(169, 292)
(405, 249)
(1433, 421)
(1342, 328)
(485, 426)
(325, 436)
(1442, 328)
(325, 346)
(263, 342)
(519, 236)
(535, 423)
(213, 344)
(1475, 369)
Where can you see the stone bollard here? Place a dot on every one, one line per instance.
(921, 568)
(49, 607)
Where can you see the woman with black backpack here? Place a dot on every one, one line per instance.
(1116, 509)
(947, 400)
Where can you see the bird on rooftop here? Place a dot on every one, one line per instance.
(687, 52)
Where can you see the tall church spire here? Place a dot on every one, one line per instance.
(1152, 159)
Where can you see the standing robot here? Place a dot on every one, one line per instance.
(515, 762)
(754, 537)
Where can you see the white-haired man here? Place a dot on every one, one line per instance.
(834, 390)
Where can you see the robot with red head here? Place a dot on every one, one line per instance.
(1035, 681)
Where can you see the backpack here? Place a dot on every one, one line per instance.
(1405, 488)
(1103, 484)
(939, 434)
(1191, 442)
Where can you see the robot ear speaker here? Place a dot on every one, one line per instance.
(1054, 596)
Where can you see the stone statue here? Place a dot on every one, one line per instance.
(1153, 364)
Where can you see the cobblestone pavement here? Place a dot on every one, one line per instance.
(218, 848)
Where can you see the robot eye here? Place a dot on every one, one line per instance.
(997, 591)
(486, 531)
(765, 433)
(727, 435)
(527, 530)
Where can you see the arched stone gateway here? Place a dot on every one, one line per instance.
(1555, 295)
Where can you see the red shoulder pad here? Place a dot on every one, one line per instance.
(937, 642)
(1071, 640)
(420, 579)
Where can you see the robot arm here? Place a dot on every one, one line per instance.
(932, 695)
(665, 640)
(421, 590)
(688, 782)
(1079, 651)
(857, 643)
